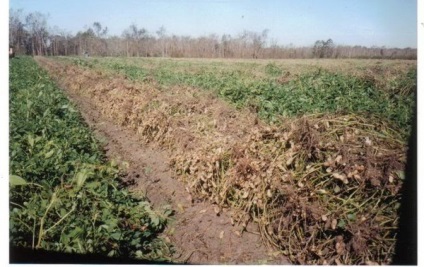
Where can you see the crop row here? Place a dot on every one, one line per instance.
(280, 95)
(64, 195)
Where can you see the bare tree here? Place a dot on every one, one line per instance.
(85, 41)
(258, 41)
(30, 34)
(100, 43)
(323, 48)
(36, 24)
(99, 30)
(17, 34)
(162, 39)
(328, 48)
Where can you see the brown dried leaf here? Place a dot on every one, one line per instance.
(368, 141)
(341, 177)
(334, 224)
(340, 247)
(268, 193)
(289, 161)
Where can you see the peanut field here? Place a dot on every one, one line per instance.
(312, 151)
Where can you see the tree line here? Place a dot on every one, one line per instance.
(30, 34)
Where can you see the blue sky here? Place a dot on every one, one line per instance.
(391, 23)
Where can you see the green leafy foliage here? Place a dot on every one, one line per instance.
(314, 91)
(132, 72)
(64, 196)
(273, 70)
(83, 63)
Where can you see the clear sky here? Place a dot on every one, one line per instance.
(391, 23)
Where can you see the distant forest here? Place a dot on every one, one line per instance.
(30, 34)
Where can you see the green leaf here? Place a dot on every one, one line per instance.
(341, 224)
(80, 178)
(351, 217)
(49, 154)
(155, 220)
(139, 254)
(16, 180)
(337, 189)
(135, 241)
(116, 236)
(75, 232)
(111, 253)
(31, 140)
(401, 175)
(93, 185)
(103, 226)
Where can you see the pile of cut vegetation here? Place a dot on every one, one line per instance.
(323, 188)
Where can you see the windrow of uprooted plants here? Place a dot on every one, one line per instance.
(323, 188)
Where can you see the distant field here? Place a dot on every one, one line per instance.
(257, 67)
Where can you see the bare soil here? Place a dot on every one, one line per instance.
(200, 232)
